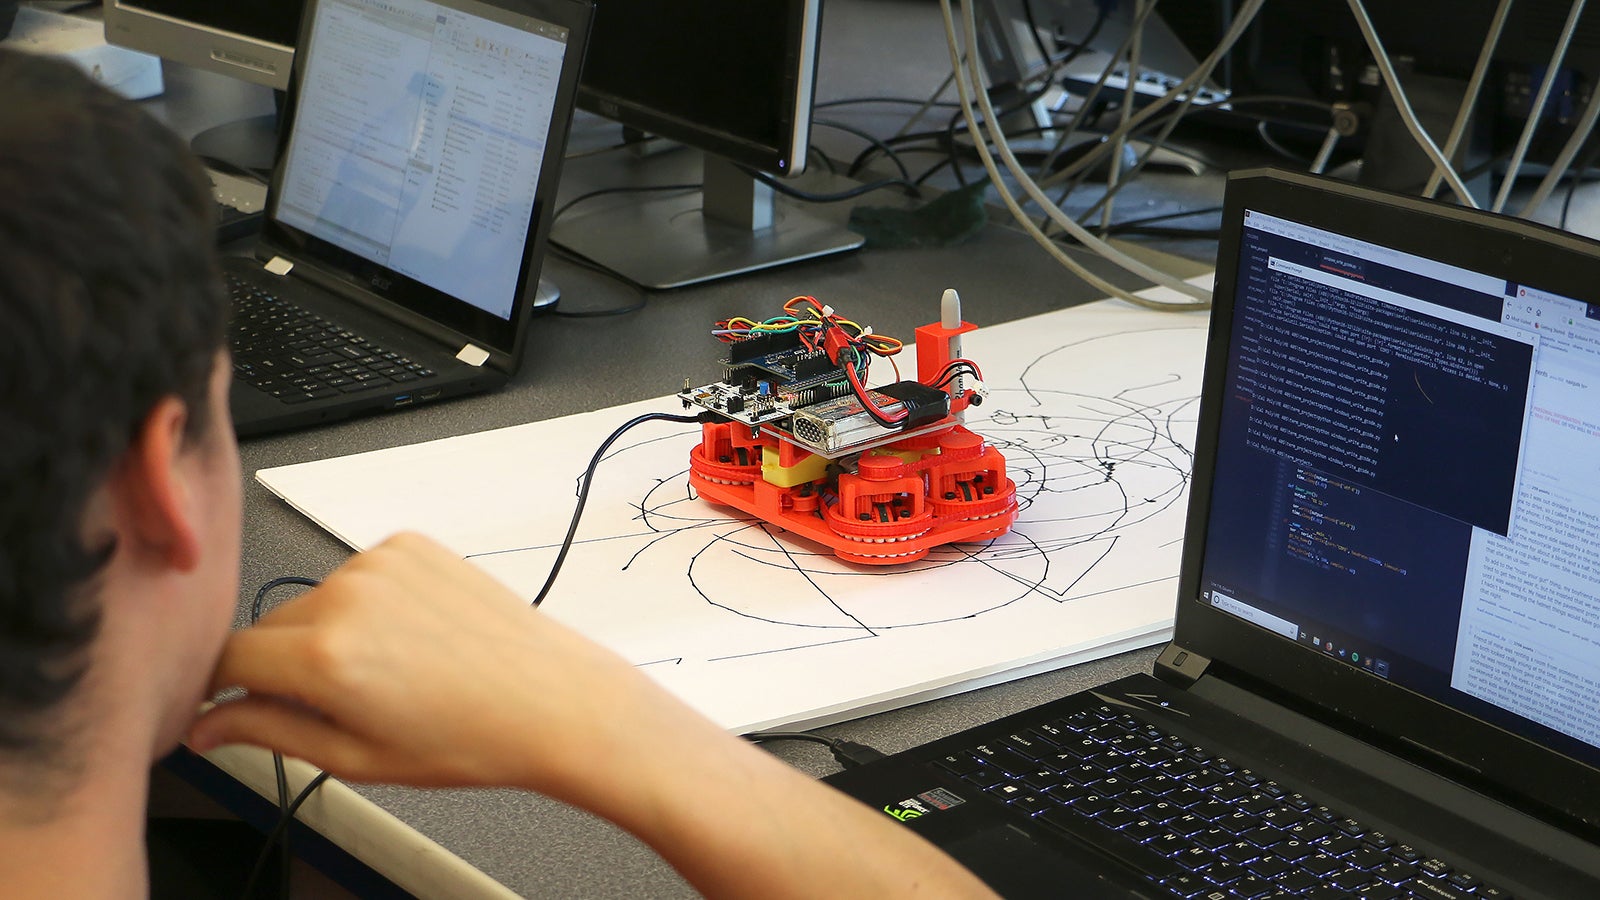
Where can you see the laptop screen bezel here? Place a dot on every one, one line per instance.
(385, 291)
(1493, 759)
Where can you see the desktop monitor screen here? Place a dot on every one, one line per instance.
(248, 39)
(731, 77)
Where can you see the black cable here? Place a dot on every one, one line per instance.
(279, 830)
(815, 152)
(934, 170)
(869, 138)
(848, 194)
(285, 856)
(861, 159)
(904, 101)
(629, 189)
(1158, 231)
(1230, 104)
(1033, 31)
(955, 369)
(591, 265)
(1164, 217)
(761, 737)
(848, 753)
(274, 584)
(1144, 226)
(588, 479)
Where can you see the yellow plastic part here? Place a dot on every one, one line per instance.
(809, 469)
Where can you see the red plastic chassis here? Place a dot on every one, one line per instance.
(943, 485)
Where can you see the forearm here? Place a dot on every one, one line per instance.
(756, 827)
(737, 822)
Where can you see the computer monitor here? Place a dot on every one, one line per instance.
(252, 40)
(733, 79)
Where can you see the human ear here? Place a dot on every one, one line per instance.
(153, 489)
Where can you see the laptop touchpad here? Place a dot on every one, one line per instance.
(1016, 865)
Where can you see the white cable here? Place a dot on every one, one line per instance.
(1245, 15)
(1077, 231)
(927, 105)
(1130, 93)
(1537, 110)
(1151, 146)
(1061, 256)
(1563, 159)
(1093, 94)
(1242, 19)
(1403, 106)
(1323, 152)
(1474, 87)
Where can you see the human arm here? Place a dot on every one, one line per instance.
(409, 665)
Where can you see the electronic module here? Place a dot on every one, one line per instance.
(881, 475)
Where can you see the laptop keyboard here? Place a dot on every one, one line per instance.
(1195, 823)
(298, 356)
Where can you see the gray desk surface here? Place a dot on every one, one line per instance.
(532, 845)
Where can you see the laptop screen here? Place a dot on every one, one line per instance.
(418, 134)
(1407, 475)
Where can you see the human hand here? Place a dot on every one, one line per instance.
(411, 665)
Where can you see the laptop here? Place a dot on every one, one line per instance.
(406, 219)
(1384, 677)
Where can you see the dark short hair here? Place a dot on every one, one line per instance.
(110, 300)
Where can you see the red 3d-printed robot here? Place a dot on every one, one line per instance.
(880, 475)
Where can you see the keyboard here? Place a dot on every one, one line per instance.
(298, 356)
(1195, 823)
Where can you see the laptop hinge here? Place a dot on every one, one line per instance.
(278, 265)
(473, 355)
(1180, 667)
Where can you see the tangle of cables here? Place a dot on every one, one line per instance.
(1152, 121)
(847, 344)
(976, 107)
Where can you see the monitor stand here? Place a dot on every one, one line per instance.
(733, 225)
(247, 144)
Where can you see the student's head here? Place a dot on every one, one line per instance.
(113, 416)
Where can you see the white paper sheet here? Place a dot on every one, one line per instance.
(1093, 406)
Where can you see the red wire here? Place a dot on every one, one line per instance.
(866, 399)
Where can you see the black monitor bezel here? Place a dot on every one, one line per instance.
(803, 20)
(423, 306)
(1492, 759)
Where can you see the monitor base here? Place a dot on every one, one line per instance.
(249, 145)
(692, 236)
